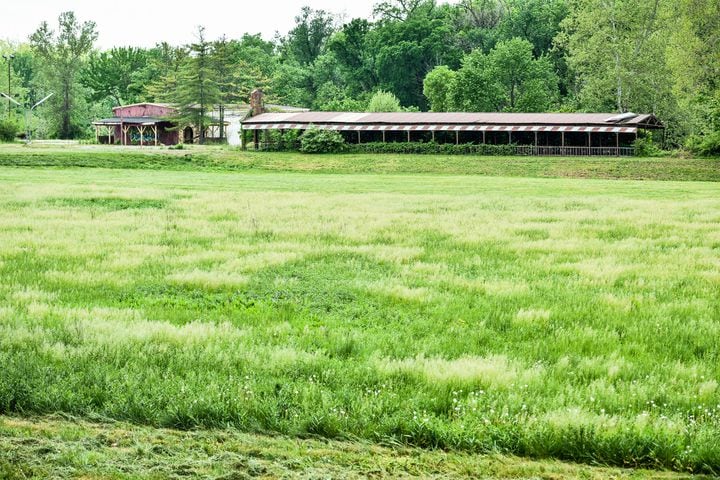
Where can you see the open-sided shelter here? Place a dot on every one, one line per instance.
(531, 133)
(139, 124)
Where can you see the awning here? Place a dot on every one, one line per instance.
(140, 121)
(438, 128)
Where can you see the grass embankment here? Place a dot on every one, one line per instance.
(62, 448)
(557, 318)
(225, 159)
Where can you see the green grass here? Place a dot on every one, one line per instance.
(546, 318)
(226, 159)
(60, 447)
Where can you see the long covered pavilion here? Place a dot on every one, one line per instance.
(531, 133)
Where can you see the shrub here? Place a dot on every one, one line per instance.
(704, 146)
(384, 102)
(433, 148)
(8, 130)
(315, 140)
(645, 147)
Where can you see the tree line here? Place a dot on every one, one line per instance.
(654, 56)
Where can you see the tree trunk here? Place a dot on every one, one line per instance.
(65, 132)
(222, 122)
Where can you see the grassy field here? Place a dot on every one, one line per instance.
(227, 159)
(548, 318)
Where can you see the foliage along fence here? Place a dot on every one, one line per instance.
(462, 149)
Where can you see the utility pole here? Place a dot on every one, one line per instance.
(28, 110)
(8, 58)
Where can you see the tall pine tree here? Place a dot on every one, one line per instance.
(197, 89)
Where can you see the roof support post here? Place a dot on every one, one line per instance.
(433, 136)
(589, 140)
(617, 144)
(155, 131)
(141, 130)
(509, 137)
(562, 137)
(408, 136)
(383, 136)
(358, 137)
(484, 142)
(457, 137)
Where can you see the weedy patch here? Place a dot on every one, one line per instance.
(106, 203)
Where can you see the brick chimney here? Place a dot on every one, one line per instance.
(257, 104)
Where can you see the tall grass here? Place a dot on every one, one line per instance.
(548, 318)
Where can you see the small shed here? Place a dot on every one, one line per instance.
(139, 124)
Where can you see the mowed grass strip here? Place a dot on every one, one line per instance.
(60, 447)
(566, 319)
(215, 158)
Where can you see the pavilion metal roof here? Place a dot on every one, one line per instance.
(579, 122)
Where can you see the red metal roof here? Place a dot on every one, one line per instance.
(440, 128)
(438, 121)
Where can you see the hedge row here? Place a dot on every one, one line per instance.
(433, 148)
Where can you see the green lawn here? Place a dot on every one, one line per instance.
(228, 159)
(556, 318)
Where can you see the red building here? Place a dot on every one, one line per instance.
(139, 124)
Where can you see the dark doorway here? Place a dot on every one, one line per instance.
(188, 136)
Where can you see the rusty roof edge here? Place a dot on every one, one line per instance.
(460, 118)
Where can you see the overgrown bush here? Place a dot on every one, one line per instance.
(283, 141)
(315, 140)
(645, 147)
(8, 130)
(433, 148)
(384, 102)
(704, 146)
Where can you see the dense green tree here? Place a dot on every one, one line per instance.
(402, 10)
(235, 78)
(616, 48)
(407, 50)
(537, 21)
(694, 60)
(384, 102)
(197, 88)
(293, 84)
(63, 56)
(438, 86)
(253, 50)
(21, 75)
(306, 41)
(506, 79)
(476, 23)
(527, 84)
(110, 75)
(332, 98)
(158, 80)
(354, 57)
(475, 88)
